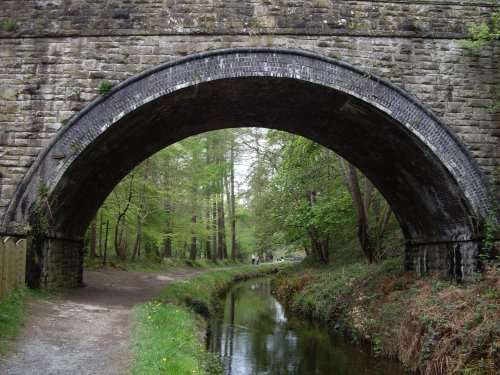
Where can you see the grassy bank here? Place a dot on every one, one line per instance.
(432, 326)
(154, 266)
(13, 313)
(169, 333)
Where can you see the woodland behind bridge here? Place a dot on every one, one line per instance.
(234, 193)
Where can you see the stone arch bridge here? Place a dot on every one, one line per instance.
(381, 83)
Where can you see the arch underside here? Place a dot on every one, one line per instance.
(429, 179)
(428, 203)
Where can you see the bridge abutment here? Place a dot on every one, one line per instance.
(58, 263)
(457, 260)
(53, 263)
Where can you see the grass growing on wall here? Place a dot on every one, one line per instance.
(169, 333)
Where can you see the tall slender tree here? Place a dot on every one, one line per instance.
(233, 202)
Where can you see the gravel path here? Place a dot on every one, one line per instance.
(85, 331)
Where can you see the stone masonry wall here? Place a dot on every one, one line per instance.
(436, 18)
(54, 264)
(458, 261)
(54, 54)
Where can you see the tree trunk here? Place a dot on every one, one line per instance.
(214, 229)
(120, 223)
(118, 248)
(167, 246)
(220, 229)
(192, 252)
(93, 238)
(382, 226)
(222, 225)
(320, 249)
(100, 232)
(167, 241)
(233, 206)
(363, 234)
(140, 216)
(207, 240)
(138, 238)
(368, 197)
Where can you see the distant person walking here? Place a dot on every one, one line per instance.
(253, 259)
(258, 259)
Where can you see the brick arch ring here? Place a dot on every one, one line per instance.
(428, 176)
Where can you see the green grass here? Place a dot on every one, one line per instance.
(169, 332)
(167, 342)
(105, 87)
(13, 312)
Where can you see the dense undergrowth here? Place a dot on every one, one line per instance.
(432, 326)
(169, 332)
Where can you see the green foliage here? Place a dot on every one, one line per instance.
(293, 200)
(105, 87)
(491, 293)
(377, 346)
(433, 327)
(162, 195)
(43, 190)
(482, 33)
(269, 40)
(299, 201)
(326, 294)
(489, 254)
(301, 198)
(41, 215)
(254, 22)
(9, 26)
(495, 108)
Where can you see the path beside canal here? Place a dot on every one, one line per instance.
(85, 331)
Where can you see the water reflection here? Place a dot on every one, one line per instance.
(255, 336)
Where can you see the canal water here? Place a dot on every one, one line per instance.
(257, 336)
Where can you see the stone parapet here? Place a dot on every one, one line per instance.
(410, 18)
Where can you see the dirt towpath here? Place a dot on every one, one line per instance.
(85, 331)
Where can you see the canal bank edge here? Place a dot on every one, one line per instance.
(430, 325)
(169, 333)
